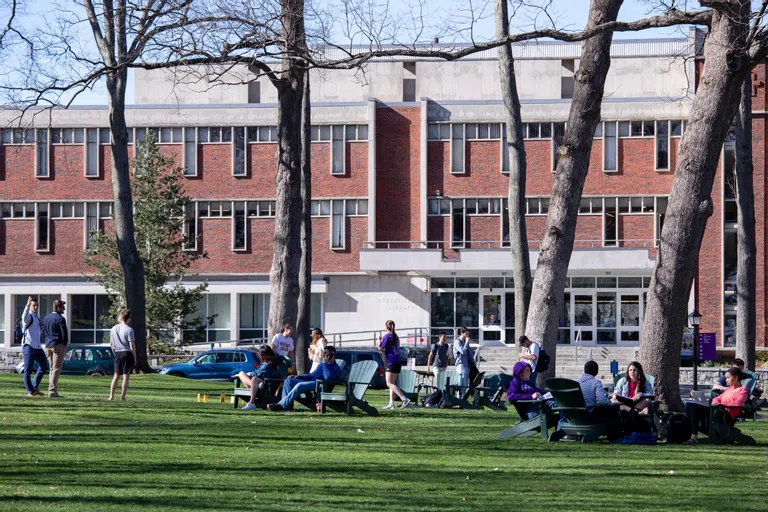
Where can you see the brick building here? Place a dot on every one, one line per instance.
(409, 186)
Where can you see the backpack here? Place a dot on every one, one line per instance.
(542, 364)
(646, 438)
(18, 333)
(673, 426)
(433, 399)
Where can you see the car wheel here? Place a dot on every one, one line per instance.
(97, 373)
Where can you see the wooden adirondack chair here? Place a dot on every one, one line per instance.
(406, 381)
(309, 399)
(722, 427)
(491, 393)
(526, 427)
(456, 395)
(360, 375)
(587, 425)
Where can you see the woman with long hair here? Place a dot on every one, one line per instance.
(316, 348)
(735, 397)
(633, 387)
(389, 345)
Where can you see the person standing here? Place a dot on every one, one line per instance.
(530, 354)
(123, 343)
(462, 356)
(31, 348)
(56, 338)
(282, 344)
(389, 345)
(316, 348)
(439, 354)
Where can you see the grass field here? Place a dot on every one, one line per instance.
(162, 451)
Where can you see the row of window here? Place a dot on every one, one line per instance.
(239, 211)
(448, 283)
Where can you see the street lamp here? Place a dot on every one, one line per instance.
(694, 320)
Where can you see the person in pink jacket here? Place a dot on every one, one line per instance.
(735, 396)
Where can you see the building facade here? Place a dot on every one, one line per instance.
(409, 193)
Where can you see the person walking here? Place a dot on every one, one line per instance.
(56, 338)
(31, 348)
(389, 345)
(123, 343)
(439, 354)
(462, 357)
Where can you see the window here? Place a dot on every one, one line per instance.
(214, 209)
(92, 152)
(214, 310)
(504, 150)
(566, 78)
(20, 301)
(558, 133)
(91, 222)
(662, 145)
(169, 135)
(190, 152)
(610, 224)
(262, 134)
(18, 136)
(261, 209)
(409, 89)
(482, 131)
(441, 131)
(254, 91)
(67, 210)
(42, 154)
(606, 318)
(338, 224)
(213, 135)
(438, 206)
(105, 210)
(239, 226)
(90, 318)
(105, 136)
(338, 151)
(610, 148)
(190, 227)
(42, 228)
(457, 224)
(238, 152)
(457, 148)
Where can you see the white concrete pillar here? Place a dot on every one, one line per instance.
(372, 170)
(234, 315)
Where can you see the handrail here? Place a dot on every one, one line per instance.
(635, 243)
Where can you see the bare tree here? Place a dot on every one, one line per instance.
(746, 263)
(515, 148)
(571, 172)
(305, 270)
(727, 59)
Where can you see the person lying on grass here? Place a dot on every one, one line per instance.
(635, 387)
(735, 397)
(269, 368)
(521, 388)
(328, 370)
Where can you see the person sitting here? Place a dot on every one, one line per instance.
(521, 388)
(595, 401)
(328, 370)
(268, 368)
(722, 384)
(635, 387)
(735, 396)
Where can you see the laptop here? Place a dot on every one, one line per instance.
(700, 397)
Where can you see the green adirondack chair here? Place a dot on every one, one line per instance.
(525, 427)
(587, 425)
(459, 396)
(406, 381)
(722, 429)
(491, 393)
(360, 375)
(441, 382)
(310, 398)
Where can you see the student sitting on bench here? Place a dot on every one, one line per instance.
(269, 368)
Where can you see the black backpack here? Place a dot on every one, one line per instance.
(433, 399)
(673, 426)
(18, 333)
(542, 364)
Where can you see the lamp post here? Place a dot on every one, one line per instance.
(694, 320)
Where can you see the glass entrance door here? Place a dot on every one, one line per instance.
(492, 317)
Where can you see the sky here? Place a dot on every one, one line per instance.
(568, 15)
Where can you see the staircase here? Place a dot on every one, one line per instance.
(570, 359)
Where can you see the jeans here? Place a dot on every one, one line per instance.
(292, 388)
(32, 356)
(698, 415)
(463, 376)
(532, 410)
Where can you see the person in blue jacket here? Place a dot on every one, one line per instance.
(328, 370)
(269, 368)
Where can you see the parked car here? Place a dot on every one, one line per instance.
(218, 364)
(353, 355)
(84, 360)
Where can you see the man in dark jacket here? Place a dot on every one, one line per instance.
(55, 337)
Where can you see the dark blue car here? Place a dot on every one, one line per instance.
(219, 364)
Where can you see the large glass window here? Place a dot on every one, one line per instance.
(457, 148)
(90, 321)
(214, 309)
(564, 322)
(2, 319)
(468, 312)
(662, 145)
(338, 225)
(583, 315)
(729, 329)
(457, 224)
(630, 317)
(606, 318)
(254, 311)
(45, 302)
(509, 317)
(610, 147)
(337, 151)
(238, 152)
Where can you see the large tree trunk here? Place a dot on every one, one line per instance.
(305, 270)
(690, 204)
(746, 271)
(130, 260)
(518, 237)
(284, 275)
(572, 166)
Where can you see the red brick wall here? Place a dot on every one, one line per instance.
(710, 277)
(398, 196)
(485, 230)
(354, 183)
(65, 257)
(636, 230)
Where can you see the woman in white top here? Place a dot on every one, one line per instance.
(316, 348)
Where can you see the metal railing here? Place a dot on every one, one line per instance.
(497, 244)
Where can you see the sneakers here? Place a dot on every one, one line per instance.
(54, 395)
(250, 406)
(405, 404)
(390, 405)
(273, 407)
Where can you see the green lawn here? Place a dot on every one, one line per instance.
(161, 450)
